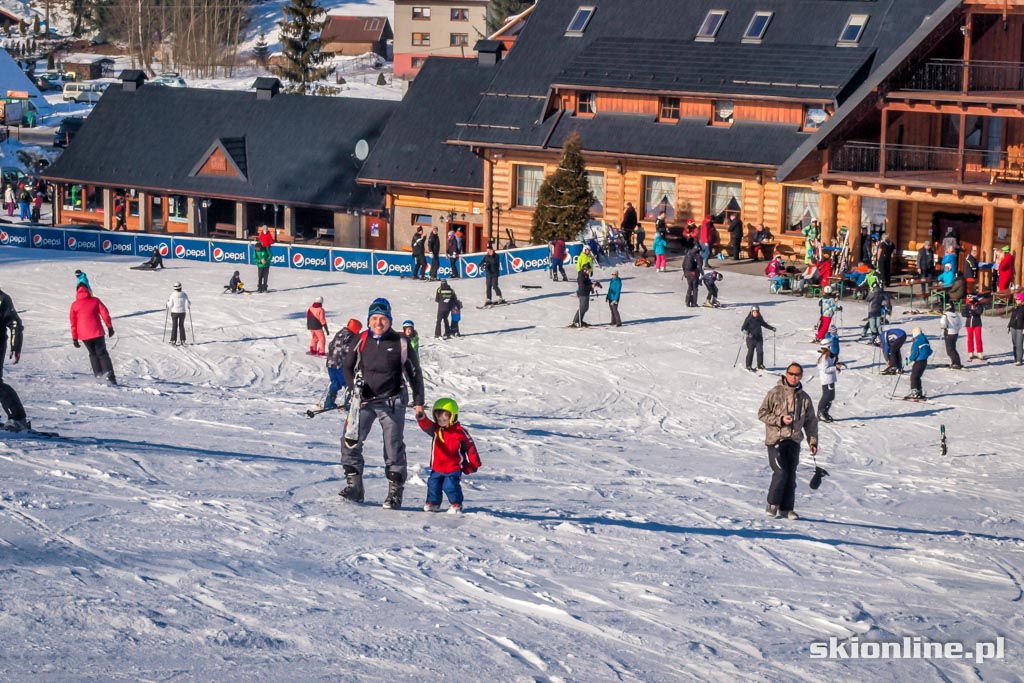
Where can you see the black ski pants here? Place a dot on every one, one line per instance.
(442, 317)
(712, 292)
(616, 320)
(177, 327)
(692, 283)
(8, 396)
(734, 247)
(895, 357)
(954, 355)
(419, 268)
(828, 394)
(783, 458)
(99, 358)
(492, 283)
(435, 261)
(885, 270)
(261, 278)
(915, 375)
(755, 344)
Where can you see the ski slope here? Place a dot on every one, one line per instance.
(188, 527)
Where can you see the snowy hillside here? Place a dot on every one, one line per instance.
(188, 527)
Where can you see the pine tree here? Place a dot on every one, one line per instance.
(50, 62)
(500, 10)
(300, 46)
(381, 80)
(261, 51)
(564, 198)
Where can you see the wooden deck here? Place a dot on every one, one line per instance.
(998, 180)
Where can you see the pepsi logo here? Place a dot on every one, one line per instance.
(472, 270)
(72, 243)
(382, 266)
(517, 264)
(339, 263)
(107, 246)
(164, 250)
(297, 260)
(37, 240)
(568, 260)
(4, 237)
(218, 254)
(179, 251)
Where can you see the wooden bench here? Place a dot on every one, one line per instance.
(223, 230)
(1004, 299)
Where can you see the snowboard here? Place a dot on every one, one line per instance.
(352, 420)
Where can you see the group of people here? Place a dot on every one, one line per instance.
(421, 244)
(27, 198)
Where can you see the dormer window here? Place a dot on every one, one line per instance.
(757, 26)
(853, 30)
(586, 104)
(723, 113)
(712, 22)
(814, 116)
(579, 21)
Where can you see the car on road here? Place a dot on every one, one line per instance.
(49, 80)
(170, 79)
(67, 130)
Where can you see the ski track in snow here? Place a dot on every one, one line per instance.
(186, 525)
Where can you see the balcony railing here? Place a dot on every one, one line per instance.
(947, 75)
(941, 164)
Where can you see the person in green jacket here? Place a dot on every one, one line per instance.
(263, 258)
(586, 258)
(613, 296)
(409, 330)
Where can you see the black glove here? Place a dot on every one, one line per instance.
(75, 342)
(110, 332)
(327, 331)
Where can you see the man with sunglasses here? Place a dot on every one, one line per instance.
(788, 413)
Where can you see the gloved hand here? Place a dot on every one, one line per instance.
(468, 469)
(17, 357)
(75, 342)
(110, 332)
(327, 331)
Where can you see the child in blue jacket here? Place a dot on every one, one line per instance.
(613, 296)
(919, 354)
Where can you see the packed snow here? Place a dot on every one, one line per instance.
(187, 525)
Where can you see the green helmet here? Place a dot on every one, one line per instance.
(448, 405)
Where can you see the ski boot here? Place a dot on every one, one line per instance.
(455, 509)
(772, 510)
(18, 425)
(431, 507)
(354, 489)
(501, 300)
(396, 487)
(825, 417)
(790, 514)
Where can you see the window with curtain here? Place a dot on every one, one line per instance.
(724, 197)
(596, 181)
(528, 181)
(659, 195)
(801, 208)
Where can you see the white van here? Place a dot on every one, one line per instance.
(73, 91)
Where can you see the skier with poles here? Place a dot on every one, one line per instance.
(336, 352)
(86, 315)
(491, 265)
(9, 399)
(950, 324)
(177, 305)
(584, 288)
(787, 413)
(919, 353)
(752, 326)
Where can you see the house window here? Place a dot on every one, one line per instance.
(579, 21)
(421, 13)
(177, 208)
(421, 39)
(853, 30)
(814, 116)
(659, 195)
(417, 62)
(422, 219)
(458, 39)
(72, 198)
(801, 208)
(596, 181)
(668, 108)
(87, 198)
(712, 22)
(586, 103)
(460, 14)
(528, 181)
(723, 113)
(757, 26)
(724, 198)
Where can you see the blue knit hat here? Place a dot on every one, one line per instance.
(380, 307)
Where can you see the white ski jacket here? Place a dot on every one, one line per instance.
(178, 302)
(951, 322)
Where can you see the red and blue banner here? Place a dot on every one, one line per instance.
(190, 248)
(227, 251)
(352, 261)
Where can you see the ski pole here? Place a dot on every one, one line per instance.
(164, 338)
(893, 394)
(738, 351)
(190, 327)
(775, 361)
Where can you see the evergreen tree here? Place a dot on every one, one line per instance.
(500, 10)
(381, 80)
(261, 51)
(564, 198)
(50, 62)
(300, 46)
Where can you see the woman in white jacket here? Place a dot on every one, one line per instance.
(828, 372)
(178, 304)
(950, 324)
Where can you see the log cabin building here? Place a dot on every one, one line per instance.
(222, 163)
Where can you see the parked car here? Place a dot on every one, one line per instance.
(67, 130)
(13, 176)
(72, 91)
(170, 79)
(88, 97)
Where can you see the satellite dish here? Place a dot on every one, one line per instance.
(362, 150)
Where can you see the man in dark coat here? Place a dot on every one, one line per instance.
(452, 248)
(692, 271)
(584, 288)
(9, 320)
(491, 265)
(755, 337)
(885, 250)
(419, 244)
(735, 236)
(628, 225)
(445, 298)
(434, 245)
(788, 415)
(926, 265)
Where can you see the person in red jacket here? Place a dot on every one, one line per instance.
(266, 237)
(316, 323)
(1006, 270)
(86, 315)
(452, 454)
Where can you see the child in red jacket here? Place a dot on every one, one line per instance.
(452, 454)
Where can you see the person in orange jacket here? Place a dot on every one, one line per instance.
(86, 314)
(452, 454)
(316, 323)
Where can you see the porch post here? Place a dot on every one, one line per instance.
(965, 85)
(190, 209)
(488, 199)
(240, 220)
(988, 235)
(108, 207)
(289, 222)
(853, 225)
(892, 221)
(827, 216)
(960, 149)
(885, 134)
(1017, 242)
(144, 207)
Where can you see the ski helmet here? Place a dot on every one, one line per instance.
(448, 405)
(915, 332)
(354, 326)
(826, 343)
(408, 323)
(755, 309)
(380, 306)
(1020, 297)
(177, 286)
(828, 289)
(318, 300)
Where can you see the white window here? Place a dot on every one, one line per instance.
(659, 195)
(596, 181)
(723, 113)
(724, 198)
(712, 22)
(853, 30)
(458, 39)
(421, 13)
(586, 103)
(579, 21)
(801, 208)
(814, 116)
(528, 181)
(757, 26)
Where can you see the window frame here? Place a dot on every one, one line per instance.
(670, 211)
(598, 200)
(589, 10)
(711, 183)
(808, 125)
(665, 107)
(175, 201)
(709, 37)
(786, 206)
(424, 13)
(850, 21)
(756, 39)
(519, 190)
(590, 97)
(459, 14)
(417, 62)
(458, 40)
(423, 38)
(715, 121)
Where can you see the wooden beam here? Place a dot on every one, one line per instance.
(892, 220)
(885, 134)
(827, 216)
(1017, 243)
(1007, 109)
(988, 232)
(853, 204)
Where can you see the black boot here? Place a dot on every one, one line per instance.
(354, 489)
(396, 486)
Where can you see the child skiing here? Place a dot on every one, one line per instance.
(335, 354)
(456, 318)
(409, 330)
(919, 354)
(235, 285)
(711, 278)
(828, 371)
(316, 323)
(452, 454)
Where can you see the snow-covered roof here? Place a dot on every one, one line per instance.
(84, 58)
(13, 78)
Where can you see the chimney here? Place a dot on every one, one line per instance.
(266, 88)
(132, 79)
(489, 51)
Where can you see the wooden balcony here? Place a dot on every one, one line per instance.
(957, 75)
(939, 168)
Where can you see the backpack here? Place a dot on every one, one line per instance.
(642, 263)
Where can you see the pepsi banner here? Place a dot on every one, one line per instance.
(117, 243)
(14, 237)
(469, 265)
(572, 253)
(190, 248)
(444, 267)
(310, 258)
(145, 244)
(522, 260)
(351, 261)
(278, 255)
(224, 251)
(392, 263)
(82, 240)
(46, 238)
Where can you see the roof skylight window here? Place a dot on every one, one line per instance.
(579, 21)
(757, 26)
(712, 22)
(853, 30)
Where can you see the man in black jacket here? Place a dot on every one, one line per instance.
(381, 356)
(445, 298)
(584, 288)
(419, 243)
(755, 338)
(971, 270)
(491, 265)
(692, 270)
(885, 250)
(735, 236)
(926, 265)
(434, 245)
(628, 225)
(9, 320)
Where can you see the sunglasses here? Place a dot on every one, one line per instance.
(794, 374)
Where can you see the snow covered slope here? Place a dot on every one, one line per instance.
(188, 527)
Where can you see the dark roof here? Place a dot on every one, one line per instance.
(798, 48)
(345, 29)
(412, 149)
(291, 149)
